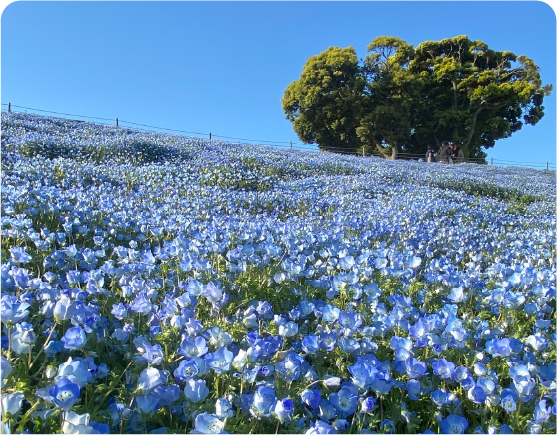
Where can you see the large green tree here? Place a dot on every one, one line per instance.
(402, 99)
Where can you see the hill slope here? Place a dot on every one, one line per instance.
(351, 265)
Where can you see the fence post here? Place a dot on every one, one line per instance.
(363, 152)
(209, 136)
(116, 122)
(492, 161)
(9, 107)
(547, 165)
(290, 144)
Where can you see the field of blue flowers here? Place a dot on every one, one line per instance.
(154, 283)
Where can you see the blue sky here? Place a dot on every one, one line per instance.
(222, 67)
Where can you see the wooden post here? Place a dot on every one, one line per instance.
(492, 161)
(547, 166)
(363, 152)
(290, 144)
(209, 136)
(9, 107)
(116, 122)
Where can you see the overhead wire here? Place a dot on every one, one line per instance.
(293, 145)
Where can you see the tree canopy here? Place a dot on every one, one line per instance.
(401, 98)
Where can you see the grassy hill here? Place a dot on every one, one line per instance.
(415, 284)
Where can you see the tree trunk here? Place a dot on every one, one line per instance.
(394, 152)
(384, 152)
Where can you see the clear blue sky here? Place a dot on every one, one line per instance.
(222, 67)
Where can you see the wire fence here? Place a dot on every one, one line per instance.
(283, 144)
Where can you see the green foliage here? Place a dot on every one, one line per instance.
(402, 98)
(323, 104)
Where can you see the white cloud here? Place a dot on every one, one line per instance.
(3, 4)
(553, 4)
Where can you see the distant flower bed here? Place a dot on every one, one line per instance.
(154, 283)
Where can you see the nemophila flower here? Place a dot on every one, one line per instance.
(76, 423)
(453, 424)
(187, 369)
(440, 397)
(387, 426)
(218, 337)
(310, 343)
(327, 340)
(120, 311)
(146, 404)
(329, 313)
(283, 409)
(64, 308)
(345, 400)
(505, 429)
(208, 423)
(320, 427)
(65, 393)
(5, 370)
(23, 338)
(11, 403)
(367, 404)
(223, 408)
(263, 399)
(76, 370)
(362, 374)
(542, 412)
(74, 338)
(477, 394)
(311, 397)
(413, 387)
(141, 304)
(326, 410)
(522, 382)
(350, 321)
(498, 347)
(150, 378)
(289, 329)
(196, 390)
(12, 311)
(220, 361)
(508, 400)
(443, 368)
(192, 346)
(166, 395)
(415, 368)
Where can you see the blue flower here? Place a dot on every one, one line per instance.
(477, 394)
(320, 427)
(310, 343)
(498, 347)
(453, 424)
(208, 423)
(368, 405)
(283, 409)
(443, 368)
(186, 370)
(65, 393)
(12, 311)
(415, 368)
(345, 400)
(196, 390)
(74, 338)
(220, 361)
(263, 399)
(311, 397)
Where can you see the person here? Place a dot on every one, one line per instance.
(443, 153)
(457, 154)
(430, 154)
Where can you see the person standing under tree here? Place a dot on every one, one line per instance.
(443, 153)
(430, 154)
(458, 155)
